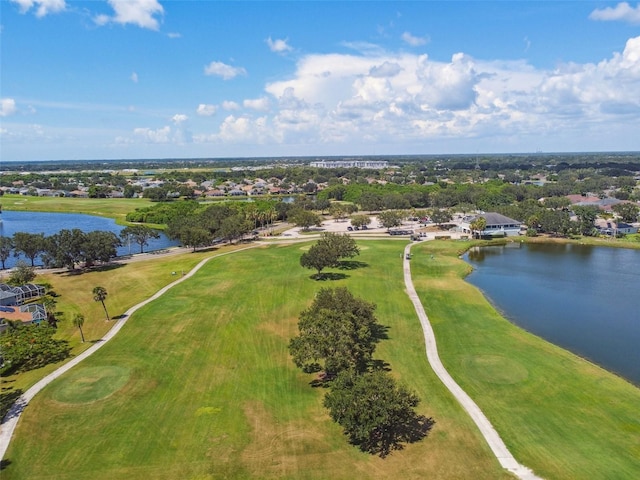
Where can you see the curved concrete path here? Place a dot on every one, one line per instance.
(10, 420)
(499, 449)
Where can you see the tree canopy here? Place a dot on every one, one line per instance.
(360, 220)
(628, 211)
(6, 247)
(140, 234)
(29, 244)
(391, 218)
(376, 413)
(25, 347)
(305, 219)
(100, 295)
(328, 251)
(22, 273)
(337, 332)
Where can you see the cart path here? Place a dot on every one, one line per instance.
(499, 449)
(10, 421)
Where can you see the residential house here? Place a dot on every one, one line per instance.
(26, 314)
(22, 293)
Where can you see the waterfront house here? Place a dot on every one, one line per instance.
(498, 225)
(32, 314)
(21, 293)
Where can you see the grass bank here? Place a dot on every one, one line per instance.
(199, 385)
(559, 414)
(116, 208)
(126, 285)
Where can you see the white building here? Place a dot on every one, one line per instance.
(370, 164)
(497, 225)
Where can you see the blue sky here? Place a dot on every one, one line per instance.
(118, 79)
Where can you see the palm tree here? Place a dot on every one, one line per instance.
(478, 226)
(99, 295)
(78, 321)
(50, 307)
(271, 216)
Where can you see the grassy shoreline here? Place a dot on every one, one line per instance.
(561, 415)
(116, 208)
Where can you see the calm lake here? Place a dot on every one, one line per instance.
(51, 223)
(584, 299)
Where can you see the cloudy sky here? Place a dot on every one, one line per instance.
(119, 79)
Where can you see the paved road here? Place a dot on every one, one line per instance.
(10, 420)
(499, 449)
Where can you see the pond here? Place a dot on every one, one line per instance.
(582, 298)
(52, 223)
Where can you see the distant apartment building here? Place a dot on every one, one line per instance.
(370, 164)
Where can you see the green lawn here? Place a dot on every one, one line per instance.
(116, 208)
(560, 415)
(126, 285)
(199, 385)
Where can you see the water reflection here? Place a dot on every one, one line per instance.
(580, 297)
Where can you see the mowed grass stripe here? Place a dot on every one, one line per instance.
(559, 414)
(126, 285)
(213, 393)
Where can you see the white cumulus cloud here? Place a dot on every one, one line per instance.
(243, 130)
(142, 13)
(179, 118)
(149, 135)
(230, 105)
(7, 107)
(224, 71)
(402, 98)
(621, 12)
(260, 104)
(413, 40)
(42, 7)
(279, 45)
(206, 110)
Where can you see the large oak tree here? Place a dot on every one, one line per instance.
(337, 332)
(376, 413)
(328, 251)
